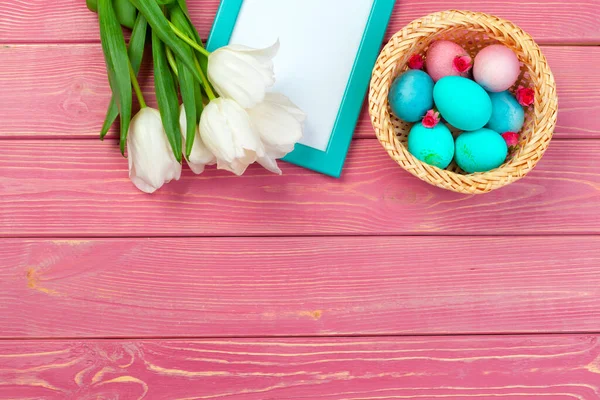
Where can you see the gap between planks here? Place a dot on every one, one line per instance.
(115, 139)
(299, 337)
(563, 43)
(305, 236)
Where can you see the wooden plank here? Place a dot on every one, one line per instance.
(81, 188)
(191, 287)
(573, 22)
(57, 90)
(66, 91)
(34, 21)
(514, 368)
(557, 22)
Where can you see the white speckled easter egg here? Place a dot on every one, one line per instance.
(440, 59)
(496, 68)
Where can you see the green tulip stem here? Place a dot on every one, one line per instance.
(136, 87)
(189, 41)
(205, 83)
(172, 62)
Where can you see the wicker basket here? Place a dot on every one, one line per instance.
(473, 31)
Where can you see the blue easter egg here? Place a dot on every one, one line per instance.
(462, 102)
(480, 151)
(411, 95)
(433, 146)
(507, 114)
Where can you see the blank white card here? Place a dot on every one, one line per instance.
(319, 42)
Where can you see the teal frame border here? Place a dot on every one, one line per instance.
(331, 161)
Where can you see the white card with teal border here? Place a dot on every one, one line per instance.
(328, 50)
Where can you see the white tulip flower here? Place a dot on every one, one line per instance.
(151, 160)
(242, 73)
(227, 132)
(279, 123)
(200, 156)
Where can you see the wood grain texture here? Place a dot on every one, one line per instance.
(66, 90)
(514, 368)
(192, 287)
(57, 90)
(52, 185)
(81, 188)
(557, 22)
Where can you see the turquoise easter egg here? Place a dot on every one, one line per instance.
(507, 114)
(480, 151)
(462, 102)
(411, 95)
(433, 146)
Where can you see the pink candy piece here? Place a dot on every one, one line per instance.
(496, 68)
(440, 60)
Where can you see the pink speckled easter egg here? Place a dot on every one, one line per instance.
(441, 58)
(496, 68)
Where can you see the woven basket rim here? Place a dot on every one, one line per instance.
(544, 111)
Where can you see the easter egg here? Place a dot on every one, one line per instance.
(507, 114)
(480, 151)
(496, 68)
(462, 102)
(440, 59)
(411, 95)
(433, 146)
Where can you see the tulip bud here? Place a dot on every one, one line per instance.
(241, 73)
(151, 159)
(279, 124)
(200, 156)
(226, 130)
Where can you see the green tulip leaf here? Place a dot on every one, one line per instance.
(194, 34)
(186, 83)
(117, 63)
(137, 43)
(126, 12)
(183, 6)
(92, 5)
(198, 97)
(161, 28)
(166, 95)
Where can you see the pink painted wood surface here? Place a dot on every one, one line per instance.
(561, 367)
(185, 287)
(558, 22)
(71, 91)
(296, 286)
(81, 188)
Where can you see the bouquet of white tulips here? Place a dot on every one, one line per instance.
(214, 108)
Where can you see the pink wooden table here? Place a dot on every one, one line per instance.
(376, 286)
